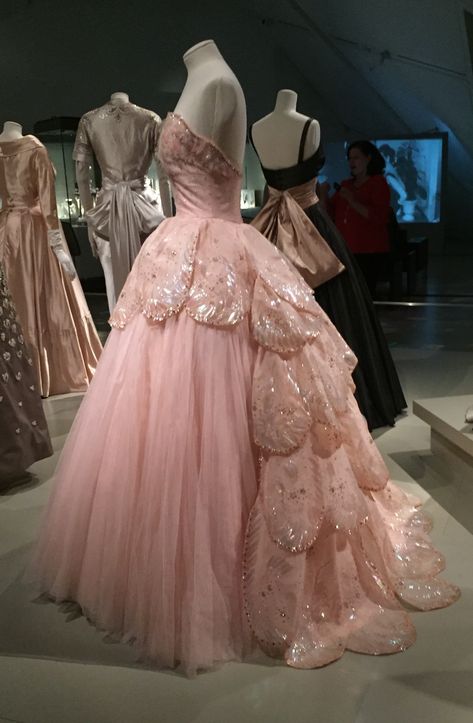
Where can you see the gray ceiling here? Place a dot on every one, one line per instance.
(362, 67)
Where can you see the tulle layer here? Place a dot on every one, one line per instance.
(227, 429)
(328, 565)
(146, 523)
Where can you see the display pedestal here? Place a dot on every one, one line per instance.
(451, 438)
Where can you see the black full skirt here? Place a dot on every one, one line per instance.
(347, 301)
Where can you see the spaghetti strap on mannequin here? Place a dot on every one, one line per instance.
(303, 139)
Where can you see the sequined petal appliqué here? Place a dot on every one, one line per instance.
(159, 283)
(281, 420)
(293, 498)
(276, 324)
(220, 292)
(273, 583)
(279, 274)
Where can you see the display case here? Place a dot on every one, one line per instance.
(58, 135)
(252, 185)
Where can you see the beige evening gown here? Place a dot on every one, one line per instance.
(56, 321)
(123, 138)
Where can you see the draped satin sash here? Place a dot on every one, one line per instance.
(125, 211)
(283, 221)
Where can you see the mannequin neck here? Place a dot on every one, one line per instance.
(200, 54)
(11, 131)
(119, 98)
(286, 101)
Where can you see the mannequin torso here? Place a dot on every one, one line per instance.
(11, 131)
(277, 136)
(212, 102)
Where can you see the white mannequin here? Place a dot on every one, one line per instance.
(277, 136)
(12, 131)
(212, 102)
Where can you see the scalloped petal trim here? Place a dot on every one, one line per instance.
(220, 293)
(280, 418)
(280, 276)
(276, 324)
(167, 290)
(293, 497)
(159, 282)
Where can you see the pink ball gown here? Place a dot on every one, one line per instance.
(219, 485)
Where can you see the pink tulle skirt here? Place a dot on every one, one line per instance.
(145, 527)
(219, 484)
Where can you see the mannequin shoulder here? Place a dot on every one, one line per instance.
(40, 155)
(226, 109)
(271, 124)
(36, 143)
(287, 125)
(277, 138)
(36, 148)
(224, 93)
(313, 136)
(88, 119)
(149, 114)
(91, 114)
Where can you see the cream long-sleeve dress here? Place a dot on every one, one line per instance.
(52, 310)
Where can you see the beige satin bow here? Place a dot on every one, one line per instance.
(283, 221)
(125, 212)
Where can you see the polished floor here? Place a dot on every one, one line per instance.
(55, 668)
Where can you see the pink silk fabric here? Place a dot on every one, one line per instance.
(56, 321)
(283, 221)
(220, 486)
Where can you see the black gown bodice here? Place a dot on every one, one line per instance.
(304, 171)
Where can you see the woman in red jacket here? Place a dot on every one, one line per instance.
(361, 210)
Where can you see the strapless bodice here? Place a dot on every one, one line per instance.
(206, 184)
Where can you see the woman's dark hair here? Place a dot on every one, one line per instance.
(377, 164)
